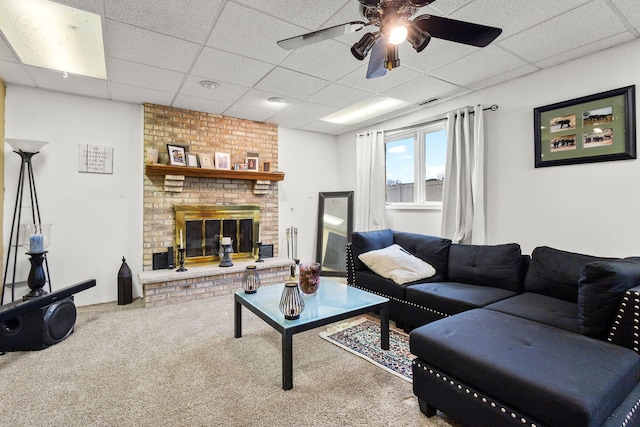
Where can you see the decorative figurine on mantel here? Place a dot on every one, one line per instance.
(225, 252)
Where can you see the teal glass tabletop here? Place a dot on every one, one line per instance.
(332, 299)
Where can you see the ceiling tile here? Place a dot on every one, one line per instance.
(149, 48)
(585, 50)
(358, 78)
(513, 16)
(308, 109)
(310, 14)
(248, 113)
(93, 6)
(145, 76)
(288, 83)
(53, 80)
(6, 54)
(445, 7)
(139, 95)
(337, 95)
(290, 121)
(173, 18)
(329, 60)
(200, 104)
(13, 73)
(542, 41)
(499, 78)
(420, 89)
(324, 127)
(222, 66)
(630, 10)
(249, 33)
(478, 66)
(258, 99)
(225, 92)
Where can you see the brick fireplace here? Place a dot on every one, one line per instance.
(203, 133)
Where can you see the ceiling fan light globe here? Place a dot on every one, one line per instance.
(361, 48)
(398, 34)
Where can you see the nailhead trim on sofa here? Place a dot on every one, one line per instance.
(488, 401)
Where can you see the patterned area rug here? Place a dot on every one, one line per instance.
(362, 337)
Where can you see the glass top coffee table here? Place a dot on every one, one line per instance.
(333, 302)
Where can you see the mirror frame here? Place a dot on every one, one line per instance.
(323, 196)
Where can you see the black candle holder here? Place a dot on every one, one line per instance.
(37, 277)
(259, 252)
(181, 259)
(225, 260)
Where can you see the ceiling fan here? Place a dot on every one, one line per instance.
(393, 19)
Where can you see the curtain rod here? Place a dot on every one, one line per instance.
(493, 107)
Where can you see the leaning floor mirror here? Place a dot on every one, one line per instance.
(335, 224)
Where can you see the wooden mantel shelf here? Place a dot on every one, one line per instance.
(163, 170)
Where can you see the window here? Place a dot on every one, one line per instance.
(415, 171)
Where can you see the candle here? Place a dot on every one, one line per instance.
(181, 243)
(226, 240)
(36, 243)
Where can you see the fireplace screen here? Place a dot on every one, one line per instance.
(204, 226)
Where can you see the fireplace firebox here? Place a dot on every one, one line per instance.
(203, 226)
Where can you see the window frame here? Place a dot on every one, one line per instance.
(419, 166)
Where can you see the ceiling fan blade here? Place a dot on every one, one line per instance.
(457, 31)
(320, 35)
(376, 60)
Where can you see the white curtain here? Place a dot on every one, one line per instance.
(370, 182)
(463, 203)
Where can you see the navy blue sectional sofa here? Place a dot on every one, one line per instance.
(506, 339)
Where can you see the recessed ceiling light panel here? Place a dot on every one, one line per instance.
(54, 36)
(365, 110)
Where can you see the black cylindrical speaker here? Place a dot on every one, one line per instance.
(39, 328)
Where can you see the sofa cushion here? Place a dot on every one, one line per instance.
(556, 273)
(600, 290)
(498, 266)
(365, 241)
(541, 308)
(453, 297)
(367, 279)
(395, 263)
(555, 376)
(431, 249)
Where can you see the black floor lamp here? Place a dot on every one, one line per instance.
(35, 236)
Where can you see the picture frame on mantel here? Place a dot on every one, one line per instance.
(206, 161)
(177, 155)
(222, 161)
(593, 128)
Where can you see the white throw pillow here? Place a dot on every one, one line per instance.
(395, 263)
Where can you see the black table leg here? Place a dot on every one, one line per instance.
(237, 322)
(384, 327)
(287, 361)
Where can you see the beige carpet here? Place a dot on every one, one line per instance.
(181, 366)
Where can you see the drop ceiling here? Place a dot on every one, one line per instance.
(157, 51)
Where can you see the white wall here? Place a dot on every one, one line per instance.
(589, 208)
(97, 218)
(308, 160)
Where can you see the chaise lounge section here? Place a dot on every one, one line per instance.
(507, 339)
